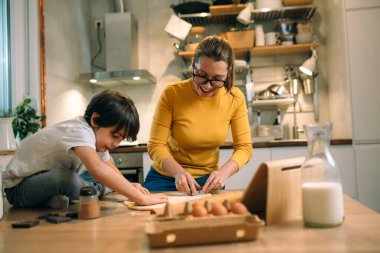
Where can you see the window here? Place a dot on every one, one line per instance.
(5, 89)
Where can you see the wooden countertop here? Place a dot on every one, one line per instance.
(122, 230)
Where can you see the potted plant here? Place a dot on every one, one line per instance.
(7, 138)
(26, 121)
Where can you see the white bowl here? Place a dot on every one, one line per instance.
(304, 38)
(270, 4)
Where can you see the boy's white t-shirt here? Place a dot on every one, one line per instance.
(51, 148)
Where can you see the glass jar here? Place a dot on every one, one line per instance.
(322, 194)
(88, 203)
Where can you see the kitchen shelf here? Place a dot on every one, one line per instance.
(272, 103)
(228, 13)
(282, 49)
(241, 53)
(304, 12)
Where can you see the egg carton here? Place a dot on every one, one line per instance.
(187, 228)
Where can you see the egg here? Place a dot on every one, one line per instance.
(218, 209)
(199, 211)
(196, 204)
(239, 208)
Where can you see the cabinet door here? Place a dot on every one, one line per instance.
(344, 157)
(363, 36)
(241, 179)
(368, 173)
(354, 4)
(147, 162)
(288, 152)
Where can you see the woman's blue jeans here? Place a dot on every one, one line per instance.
(37, 189)
(155, 182)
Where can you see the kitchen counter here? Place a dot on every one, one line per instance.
(262, 144)
(122, 230)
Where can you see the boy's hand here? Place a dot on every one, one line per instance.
(152, 199)
(143, 190)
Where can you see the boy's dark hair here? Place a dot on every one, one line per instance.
(114, 109)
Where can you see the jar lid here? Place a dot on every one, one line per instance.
(87, 191)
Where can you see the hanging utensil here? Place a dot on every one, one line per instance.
(315, 99)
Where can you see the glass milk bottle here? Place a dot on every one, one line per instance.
(322, 194)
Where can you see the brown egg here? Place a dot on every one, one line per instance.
(239, 208)
(199, 211)
(196, 204)
(218, 209)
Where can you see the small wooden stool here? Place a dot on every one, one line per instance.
(274, 193)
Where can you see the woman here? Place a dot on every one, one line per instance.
(191, 122)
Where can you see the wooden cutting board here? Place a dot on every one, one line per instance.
(178, 200)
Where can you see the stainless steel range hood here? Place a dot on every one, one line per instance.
(121, 53)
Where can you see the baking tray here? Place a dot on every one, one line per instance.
(204, 230)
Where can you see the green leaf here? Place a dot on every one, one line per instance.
(26, 119)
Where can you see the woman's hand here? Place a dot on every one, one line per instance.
(184, 182)
(140, 188)
(216, 180)
(151, 199)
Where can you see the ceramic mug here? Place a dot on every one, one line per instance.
(271, 38)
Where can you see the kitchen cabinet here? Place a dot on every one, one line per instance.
(368, 173)
(241, 179)
(354, 36)
(363, 37)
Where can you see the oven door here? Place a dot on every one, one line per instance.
(130, 165)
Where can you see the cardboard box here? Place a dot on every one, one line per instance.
(240, 39)
(204, 230)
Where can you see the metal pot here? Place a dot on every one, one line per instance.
(278, 89)
(308, 86)
(266, 94)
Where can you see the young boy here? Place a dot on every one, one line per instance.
(51, 166)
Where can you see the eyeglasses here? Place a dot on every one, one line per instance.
(201, 80)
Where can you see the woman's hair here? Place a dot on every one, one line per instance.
(218, 49)
(114, 109)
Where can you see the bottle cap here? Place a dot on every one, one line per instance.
(87, 191)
